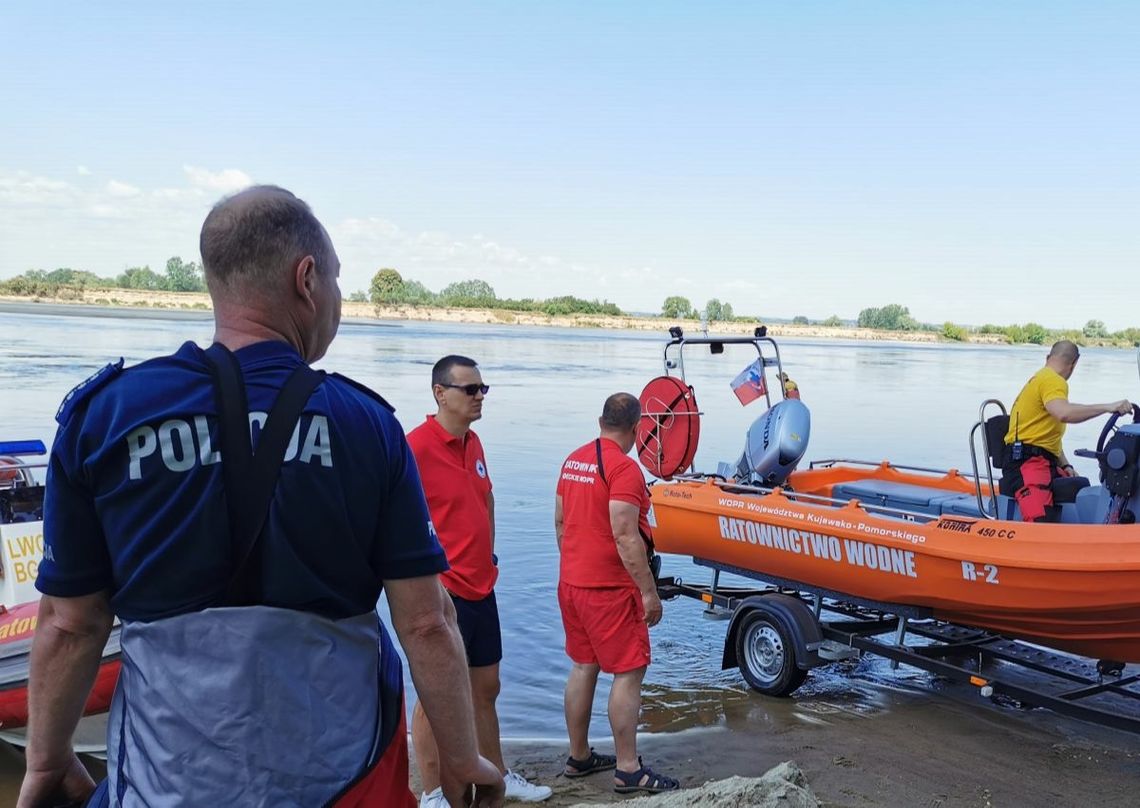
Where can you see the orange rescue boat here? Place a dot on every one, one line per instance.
(949, 544)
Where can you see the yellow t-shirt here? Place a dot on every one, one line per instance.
(1029, 421)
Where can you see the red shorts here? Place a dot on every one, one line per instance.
(605, 626)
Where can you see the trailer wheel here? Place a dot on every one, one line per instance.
(765, 651)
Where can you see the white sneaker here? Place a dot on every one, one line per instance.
(434, 799)
(519, 789)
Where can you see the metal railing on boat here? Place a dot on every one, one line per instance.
(829, 462)
(981, 426)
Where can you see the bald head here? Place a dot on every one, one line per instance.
(1063, 358)
(1065, 350)
(252, 240)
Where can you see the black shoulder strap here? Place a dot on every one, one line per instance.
(602, 473)
(251, 478)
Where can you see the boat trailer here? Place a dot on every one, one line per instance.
(780, 629)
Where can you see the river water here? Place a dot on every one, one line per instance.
(914, 404)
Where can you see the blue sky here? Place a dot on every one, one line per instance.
(975, 161)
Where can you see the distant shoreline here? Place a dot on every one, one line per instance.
(135, 304)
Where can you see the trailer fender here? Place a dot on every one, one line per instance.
(792, 613)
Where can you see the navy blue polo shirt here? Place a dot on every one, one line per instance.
(135, 498)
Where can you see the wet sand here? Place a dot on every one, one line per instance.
(873, 745)
(866, 743)
(940, 757)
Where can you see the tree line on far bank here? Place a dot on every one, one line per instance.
(894, 317)
(390, 288)
(180, 276)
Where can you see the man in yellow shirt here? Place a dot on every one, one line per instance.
(1037, 424)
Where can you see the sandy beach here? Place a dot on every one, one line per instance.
(861, 744)
(197, 304)
(911, 750)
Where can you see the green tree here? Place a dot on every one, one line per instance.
(800, 319)
(184, 277)
(141, 278)
(75, 277)
(677, 308)
(1130, 336)
(716, 311)
(359, 296)
(1036, 333)
(416, 294)
(469, 293)
(1015, 333)
(954, 332)
(1094, 329)
(833, 321)
(387, 286)
(891, 317)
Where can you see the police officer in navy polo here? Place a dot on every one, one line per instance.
(240, 513)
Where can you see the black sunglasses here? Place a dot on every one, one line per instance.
(469, 389)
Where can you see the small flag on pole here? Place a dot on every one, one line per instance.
(749, 384)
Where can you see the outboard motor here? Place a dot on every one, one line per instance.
(776, 442)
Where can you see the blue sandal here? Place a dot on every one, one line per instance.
(593, 763)
(654, 783)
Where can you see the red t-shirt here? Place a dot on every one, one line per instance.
(589, 552)
(456, 485)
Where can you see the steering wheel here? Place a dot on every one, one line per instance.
(1110, 428)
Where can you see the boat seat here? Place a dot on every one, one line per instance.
(967, 505)
(1092, 504)
(1066, 489)
(889, 494)
(996, 429)
(963, 505)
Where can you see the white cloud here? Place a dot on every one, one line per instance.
(49, 222)
(22, 190)
(122, 189)
(104, 211)
(437, 258)
(83, 171)
(225, 181)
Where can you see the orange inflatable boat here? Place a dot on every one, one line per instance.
(950, 545)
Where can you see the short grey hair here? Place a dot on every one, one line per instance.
(252, 235)
(621, 411)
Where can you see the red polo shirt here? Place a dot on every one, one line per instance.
(456, 484)
(589, 551)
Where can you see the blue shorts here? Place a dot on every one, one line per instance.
(479, 625)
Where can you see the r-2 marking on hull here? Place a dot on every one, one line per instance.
(988, 574)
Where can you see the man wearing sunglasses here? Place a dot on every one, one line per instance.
(453, 469)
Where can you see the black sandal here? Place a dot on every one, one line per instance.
(594, 763)
(654, 783)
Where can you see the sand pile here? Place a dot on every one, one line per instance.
(783, 786)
